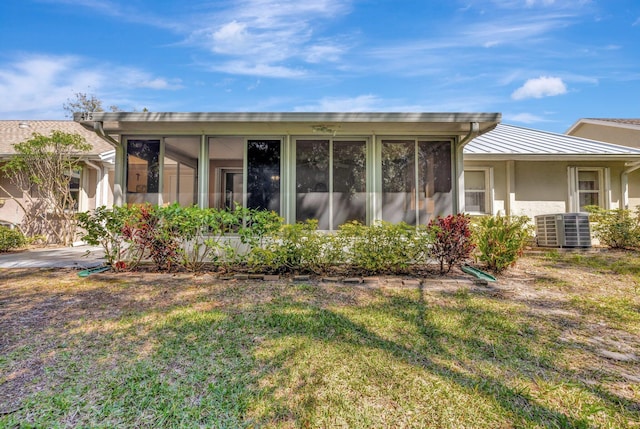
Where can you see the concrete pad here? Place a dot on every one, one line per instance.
(80, 257)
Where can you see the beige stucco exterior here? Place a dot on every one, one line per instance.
(532, 188)
(624, 132)
(96, 178)
(607, 131)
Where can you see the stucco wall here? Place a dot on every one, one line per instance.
(541, 187)
(610, 134)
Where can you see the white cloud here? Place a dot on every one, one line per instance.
(544, 86)
(524, 118)
(361, 103)
(37, 86)
(248, 68)
(259, 36)
(531, 3)
(230, 37)
(130, 78)
(323, 53)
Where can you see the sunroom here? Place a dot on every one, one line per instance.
(333, 167)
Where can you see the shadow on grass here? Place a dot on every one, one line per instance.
(224, 364)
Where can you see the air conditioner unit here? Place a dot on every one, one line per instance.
(563, 230)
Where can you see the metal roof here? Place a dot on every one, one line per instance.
(14, 131)
(510, 142)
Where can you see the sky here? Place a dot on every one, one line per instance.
(543, 64)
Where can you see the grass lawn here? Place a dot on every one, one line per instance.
(555, 343)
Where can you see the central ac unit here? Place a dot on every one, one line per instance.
(563, 230)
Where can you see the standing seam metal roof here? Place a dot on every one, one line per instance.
(512, 140)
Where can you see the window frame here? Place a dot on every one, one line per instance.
(331, 159)
(420, 217)
(574, 187)
(488, 190)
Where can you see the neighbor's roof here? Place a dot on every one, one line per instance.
(12, 132)
(511, 142)
(628, 121)
(632, 123)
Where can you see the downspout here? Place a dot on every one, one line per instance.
(474, 131)
(97, 127)
(120, 159)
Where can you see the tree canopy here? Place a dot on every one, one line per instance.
(42, 169)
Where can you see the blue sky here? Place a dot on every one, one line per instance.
(541, 63)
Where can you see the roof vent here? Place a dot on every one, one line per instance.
(24, 125)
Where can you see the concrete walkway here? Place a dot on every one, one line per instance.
(80, 257)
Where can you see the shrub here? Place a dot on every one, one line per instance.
(296, 247)
(152, 233)
(201, 233)
(380, 248)
(11, 239)
(615, 228)
(500, 240)
(103, 227)
(451, 240)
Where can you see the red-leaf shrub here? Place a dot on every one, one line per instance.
(451, 240)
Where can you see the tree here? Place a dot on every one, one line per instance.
(85, 103)
(42, 169)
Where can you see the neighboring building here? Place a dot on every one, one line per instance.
(522, 171)
(90, 186)
(334, 167)
(625, 132)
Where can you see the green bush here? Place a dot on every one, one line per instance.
(501, 240)
(103, 227)
(297, 247)
(615, 228)
(174, 236)
(11, 239)
(380, 248)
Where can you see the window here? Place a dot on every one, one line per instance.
(263, 174)
(226, 171)
(477, 190)
(588, 187)
(143, 171)
(407, 163)
(330, 182)
(179, 170)
(74, 187)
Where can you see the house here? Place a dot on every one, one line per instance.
(90, 185)
(625, 132)
(334, 167)
(529, 172)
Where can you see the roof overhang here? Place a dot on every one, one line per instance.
(292, 123)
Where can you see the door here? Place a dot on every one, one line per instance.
(232, 188)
